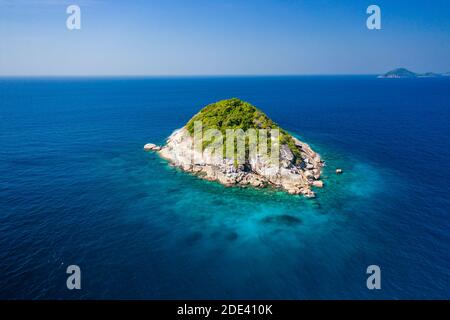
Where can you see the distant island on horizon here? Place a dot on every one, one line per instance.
(405, 73)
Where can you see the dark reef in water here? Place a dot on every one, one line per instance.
(284, 219)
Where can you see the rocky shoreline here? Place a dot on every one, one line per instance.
(292, 175)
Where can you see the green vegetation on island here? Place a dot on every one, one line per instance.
(237, 114)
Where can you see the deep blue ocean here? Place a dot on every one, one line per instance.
(77, 188)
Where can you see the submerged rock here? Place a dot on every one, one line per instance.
(193, 238)
(284, 219)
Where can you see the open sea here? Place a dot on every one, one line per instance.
(77, 188)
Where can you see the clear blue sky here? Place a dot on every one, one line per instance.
(214, 37)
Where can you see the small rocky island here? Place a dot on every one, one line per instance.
(297, 171)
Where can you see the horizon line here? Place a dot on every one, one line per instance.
(176, 75)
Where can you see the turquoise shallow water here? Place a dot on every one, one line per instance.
(77, 188)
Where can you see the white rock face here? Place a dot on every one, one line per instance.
(151, 147)
(257, 171)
